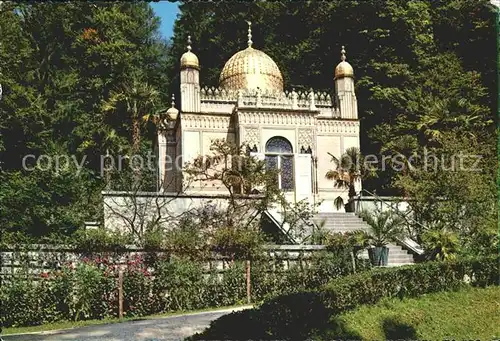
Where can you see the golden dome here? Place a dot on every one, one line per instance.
(189, 59)
(251, 69)
(343, 69)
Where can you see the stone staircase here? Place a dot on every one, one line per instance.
(344, 222)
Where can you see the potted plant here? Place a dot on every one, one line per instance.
(385, 227)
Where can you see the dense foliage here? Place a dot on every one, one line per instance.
(62, 66)
(301, 315)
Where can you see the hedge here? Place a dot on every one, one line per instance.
(299, 315)
(89, 290)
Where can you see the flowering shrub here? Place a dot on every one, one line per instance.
(92, 295)
(137, 288)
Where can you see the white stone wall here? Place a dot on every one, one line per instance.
(124, 211)
(333, 137)
(190, 90)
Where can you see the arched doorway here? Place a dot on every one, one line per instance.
(279, 155)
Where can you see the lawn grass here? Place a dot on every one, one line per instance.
(75, 324)
(471, 313)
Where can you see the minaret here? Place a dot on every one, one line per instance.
(344, 85)
(167, 150)
(190, 81)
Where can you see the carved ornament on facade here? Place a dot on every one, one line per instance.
(306, 137)
(338, 127)
(206, 122)
(252, 136)
(266, 98)
(276, 118)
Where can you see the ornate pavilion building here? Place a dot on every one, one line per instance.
(294, 131)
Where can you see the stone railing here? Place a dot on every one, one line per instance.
(213, 98)
(218, 94)
(36, 259)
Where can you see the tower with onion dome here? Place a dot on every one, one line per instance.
(190, 80)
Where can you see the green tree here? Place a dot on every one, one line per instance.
(348, 171)
(136, 100)
(59, 63)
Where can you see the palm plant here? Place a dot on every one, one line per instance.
(385, 227)
(441, 244)
(346, 173)
(138, 100)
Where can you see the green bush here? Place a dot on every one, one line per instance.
(97, 240)
(178, 284)
(298, 315)
(89, 290)
(92, 293)
(269, 279)
(227, 288)
(22, 303)
(137, 288)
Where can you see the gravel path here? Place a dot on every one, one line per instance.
(168, 328)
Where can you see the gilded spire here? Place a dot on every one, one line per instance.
(343, 69)
(189, 59)
(172, 112)
(173, 101)
(250, 42)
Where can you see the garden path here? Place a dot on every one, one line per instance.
(162, 329)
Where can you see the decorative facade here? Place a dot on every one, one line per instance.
(292, 130)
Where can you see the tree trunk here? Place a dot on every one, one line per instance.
(136, 135)
(136, 141)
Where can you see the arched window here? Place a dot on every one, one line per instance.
(279, 155)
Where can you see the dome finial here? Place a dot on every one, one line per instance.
(343, 69)
(173, 101)
(189, 59)
(250, 42)
(172, 112)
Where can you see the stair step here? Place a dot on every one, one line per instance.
(348, 222)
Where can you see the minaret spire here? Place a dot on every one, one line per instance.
(342, 53)
(250, 42)
(189, 44)
(173, 101)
